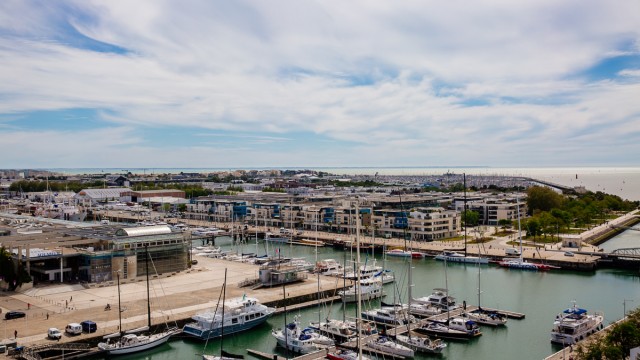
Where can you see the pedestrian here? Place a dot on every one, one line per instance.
(66, 304)
(15, 334)
(28, 306)
(71, 299)
(47, 316)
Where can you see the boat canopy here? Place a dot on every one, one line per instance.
(574, 310)
(144, 230)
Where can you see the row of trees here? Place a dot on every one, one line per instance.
(552, 213)
(36, 186)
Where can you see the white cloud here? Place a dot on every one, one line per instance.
(391, 79)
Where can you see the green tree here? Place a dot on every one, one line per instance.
(12, 274)
(505, 223)
(470, 218)
(533, 227)
(542, 199)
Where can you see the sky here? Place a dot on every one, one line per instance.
(205, 83)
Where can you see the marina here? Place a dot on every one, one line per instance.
(502, 289)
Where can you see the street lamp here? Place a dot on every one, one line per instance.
(624, 307)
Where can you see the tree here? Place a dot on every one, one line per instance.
(14, 275)
(542, 199)
(504, 223)
(470, 218)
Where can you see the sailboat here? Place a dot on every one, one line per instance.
(519, 262)
(452, 328)
(128, 343)
(297, 339)
(223, 354)
(413, 341)
(485, 317)
(453, 256)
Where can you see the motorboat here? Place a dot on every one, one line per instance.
(300, 340)
(423, 310)
(369, 288)
(575, 324)
(386, 345)
(438, 298)
(340, 331)
(329, 267)
(276, 239)
(346, 354)
(421, 343)
(389, 315)
(240, 314)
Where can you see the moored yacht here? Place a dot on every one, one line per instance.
(389, 315)
(329, 267)
(239, 314)
(575, 324)
(370, 288)
(438, 298)
(300, 340)
(421, 343)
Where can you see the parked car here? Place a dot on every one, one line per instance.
(54, 334)
(14, 315)
(73, 329)
(89, 326)
(568, 253)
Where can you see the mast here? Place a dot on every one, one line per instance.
(464, 180)
(146, 264)
(119, 304)
(479, 307)
(318, 273)
(358, 293)
(224, 295)
(519, 228)
(446, 287)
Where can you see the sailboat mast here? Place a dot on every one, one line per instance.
(466, 214)
(146, 264)
(519, 228)
(318, 273)
(119, 303)
(224, 295)
(358, 293)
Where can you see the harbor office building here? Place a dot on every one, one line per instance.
(109, 250)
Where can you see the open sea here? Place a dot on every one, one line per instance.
(621, 181)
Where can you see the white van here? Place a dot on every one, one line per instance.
(511, 251)
(54, 333)
(73, 329)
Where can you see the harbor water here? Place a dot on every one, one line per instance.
(539, 295)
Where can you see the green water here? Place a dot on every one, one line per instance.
(540, 295)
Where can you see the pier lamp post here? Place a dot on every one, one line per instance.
(624, 307)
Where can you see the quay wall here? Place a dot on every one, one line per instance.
(614, 231)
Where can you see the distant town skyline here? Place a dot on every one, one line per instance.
(254, 84)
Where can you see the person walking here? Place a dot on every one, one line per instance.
(15, 334)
